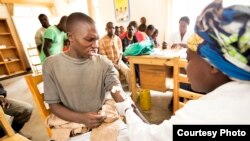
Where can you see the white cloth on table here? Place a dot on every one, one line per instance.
(170, 53)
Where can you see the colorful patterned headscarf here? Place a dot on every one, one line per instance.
(224, 39)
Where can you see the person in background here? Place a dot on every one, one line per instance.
(164, 45)
(143, 26)
(88, 77)
(141, 36)
(111, 46)
(122, 30)
(117, 31)
(54, 39)
(129, 39)
(19, 110)
(39, 33)
(179, 39)
(154, 38)
(221, 74)
(150, 31)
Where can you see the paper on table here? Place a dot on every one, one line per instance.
(171, 53)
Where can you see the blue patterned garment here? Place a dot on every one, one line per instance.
(225, 34)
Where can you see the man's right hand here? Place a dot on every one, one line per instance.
(93, 119)
(4, 103)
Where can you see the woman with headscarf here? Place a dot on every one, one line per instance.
(219, 65)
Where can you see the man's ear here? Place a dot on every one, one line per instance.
(69, 34)
(214, 70)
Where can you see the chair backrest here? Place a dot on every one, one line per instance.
(181, 96)
(10, 134)
(33, 55)
(33, 82)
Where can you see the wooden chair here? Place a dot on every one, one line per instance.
(33, 55)
(180, 77)
(10, 133)
(33, 81)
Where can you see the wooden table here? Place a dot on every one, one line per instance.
(151, 68)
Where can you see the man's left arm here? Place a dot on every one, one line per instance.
(120, 46)
(112, 82)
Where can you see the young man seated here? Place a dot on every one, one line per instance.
(75, 81)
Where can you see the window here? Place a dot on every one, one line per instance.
(26, 21)
(26, 17)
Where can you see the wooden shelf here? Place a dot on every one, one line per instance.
(18, 72)
(10, 62)
(9, 47)
(7, 33)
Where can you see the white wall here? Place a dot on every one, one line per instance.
(154, 10)
(66, 7)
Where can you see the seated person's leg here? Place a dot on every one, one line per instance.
(21, 111)
(126, 71)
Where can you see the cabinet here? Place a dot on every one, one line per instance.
(10, 62)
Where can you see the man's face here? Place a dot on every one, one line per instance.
(131, 31)
(44, 21)
(198, 72)
(150, 32)
(83, 41)
(121, 29)
(183, 27)
(164, 45)
(110, 29)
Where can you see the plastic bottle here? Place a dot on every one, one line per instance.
(145, 99)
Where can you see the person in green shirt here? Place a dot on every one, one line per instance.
(53, 39)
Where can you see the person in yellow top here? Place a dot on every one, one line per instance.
(111, 46)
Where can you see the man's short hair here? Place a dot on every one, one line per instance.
(77, 17)
(185, 19)
(150, 27)
(41, 15)
(134, 23)
(109, 23)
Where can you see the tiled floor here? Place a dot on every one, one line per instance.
(18, 89)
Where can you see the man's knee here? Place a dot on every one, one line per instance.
(25, 113)
(27, 110)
